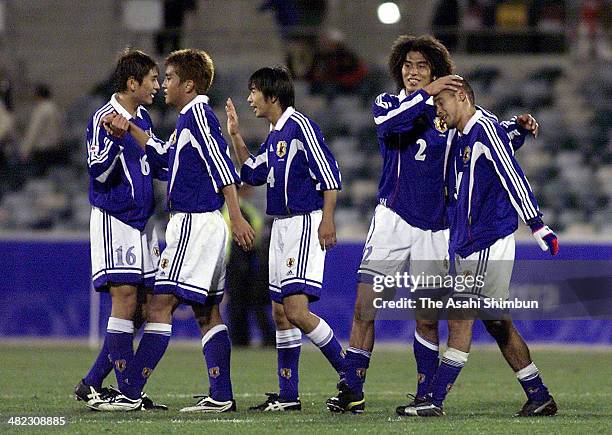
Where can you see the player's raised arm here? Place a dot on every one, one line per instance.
(103, 149)
(233, 129)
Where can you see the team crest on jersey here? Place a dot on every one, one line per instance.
(440, 125)
(285, 373)
(164, 263)
(467, 153)
(172, 139)
(214, 372)
(281, 148)
(290, 262)
(146, 372)
(120, 364)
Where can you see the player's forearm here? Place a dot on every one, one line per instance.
(139, 135)
(329, 204)
(231, 199)
(240, 148)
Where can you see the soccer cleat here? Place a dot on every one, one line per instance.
(420, 408)
(416, 401)
(118, 402)
(208, 404)
(346, 401)
(91, 396)
(538, 409)
(274, 403)
(150, 405)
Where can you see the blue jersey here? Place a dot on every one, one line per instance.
(296, 164)
(415, 147)
(491, 190)
(120, 173)
(199, 164)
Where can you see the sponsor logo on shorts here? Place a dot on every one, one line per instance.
(214, 372)
(156, 251)
(285, 373)
(281, 148)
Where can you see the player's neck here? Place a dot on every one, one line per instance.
(127, 103)
(465, 117)
(275, 114)
(187, 98)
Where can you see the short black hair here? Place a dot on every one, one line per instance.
(432, 50)
(132, 63)
(274, 82)
(42, 90)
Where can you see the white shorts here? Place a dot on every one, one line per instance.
(121, 254)
(394, 246)
(491, 269)
(296, 259)
(192, 267)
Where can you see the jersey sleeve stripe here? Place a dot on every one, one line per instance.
(317, 152)
(515, 178)
(105, 110)
(254, 162)
(213, 146)
(529, 209)
(404, 105)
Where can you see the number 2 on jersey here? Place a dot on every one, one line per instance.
(420, 155)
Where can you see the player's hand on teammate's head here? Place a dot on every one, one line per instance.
(529, 123)
(243, 233)
(327, 234)
(233, 126)
(451, 82)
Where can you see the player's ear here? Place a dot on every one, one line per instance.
(131, 84)
(189, 86)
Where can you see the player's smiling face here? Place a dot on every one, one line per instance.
(416, 72)
(172, 86)
(148, 88)
(447, 108)
(260, 105)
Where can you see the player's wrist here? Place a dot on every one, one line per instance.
(535, 224)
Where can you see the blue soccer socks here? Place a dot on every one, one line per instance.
(453, 361)
(426, 355)
(288, 346)
(356, 364)
(100, 369)
(150, 351)
(217, 351)
(323, 337)
(119, 337)
(531, 381)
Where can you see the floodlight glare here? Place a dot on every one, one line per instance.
(388, 13)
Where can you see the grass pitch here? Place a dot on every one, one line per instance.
(38, 381)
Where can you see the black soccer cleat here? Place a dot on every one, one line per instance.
(420, 408)
(346, 401)
(90, 395)
(150, 405)
(538, 408)
(274, 403)
(416, 401)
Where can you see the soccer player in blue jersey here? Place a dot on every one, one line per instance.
(409, 230)
(302, 180)
(192, 268)
(485, 178)
(124, 251)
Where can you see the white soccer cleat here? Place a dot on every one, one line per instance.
(208, 404)
(118, 402)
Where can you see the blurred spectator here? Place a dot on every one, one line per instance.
(7, 126)
(42, 144)
(336, 69)
(6, 90)
(247, 280)
(169, 39)
(594, 29)
(299, 23)
(445, 23)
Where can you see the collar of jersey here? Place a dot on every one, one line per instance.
(475, 117)
(284, 117)
(120, 109)
(196, 100)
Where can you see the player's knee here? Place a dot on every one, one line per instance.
(278, 315)
(159, 310)
(427, 329)
(499, 330)
(296, 316)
